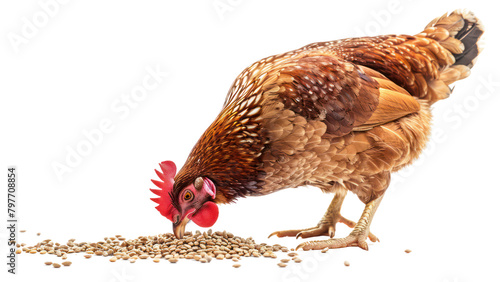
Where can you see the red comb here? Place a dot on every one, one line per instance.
(167, 176)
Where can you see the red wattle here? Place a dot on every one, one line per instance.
(207, 215)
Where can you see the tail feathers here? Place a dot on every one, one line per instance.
(458, 33)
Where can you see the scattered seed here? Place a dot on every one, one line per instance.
(38, 234)
(407, 251)
(132, 260)
(173, 260)
(33, 251)
(282, 264)
(236, 265)
(285, 260)
(22, 231)
(66, 263)
(87, 256)
(56, 265)
(297, 260)
(18, 251)
(112, 259)
(143, 256)
(156, 260)
(346, 263)
(203, 260)
(48, 263)
(292, 254)
(324, 250)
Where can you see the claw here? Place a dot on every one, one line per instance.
(301, 245)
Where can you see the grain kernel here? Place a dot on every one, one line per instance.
(282, 264)
(324, 250)
(346, 263)
(407, 251)
(56, 265)
(48, 263)
(112, 259)
(66, 263)
(236, 265)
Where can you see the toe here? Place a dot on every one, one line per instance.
(284, 233)
(312, 233)
(373, 238)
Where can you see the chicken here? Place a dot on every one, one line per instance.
(339, 115)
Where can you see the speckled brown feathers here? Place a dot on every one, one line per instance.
(337, 115)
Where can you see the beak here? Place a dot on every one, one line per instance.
(179, 228)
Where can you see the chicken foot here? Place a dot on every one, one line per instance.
(357, 237)
(326, 226)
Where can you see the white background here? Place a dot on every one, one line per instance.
(66, 76)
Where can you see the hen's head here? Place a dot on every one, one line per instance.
(192, 202)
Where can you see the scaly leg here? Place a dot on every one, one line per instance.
(356, 238)
(326, 225)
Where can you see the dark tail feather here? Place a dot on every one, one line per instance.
(469, 35)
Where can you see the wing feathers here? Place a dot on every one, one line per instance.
(392, 105)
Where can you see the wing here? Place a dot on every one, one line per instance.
(343, 95)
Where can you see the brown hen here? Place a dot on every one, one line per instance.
(339, 115)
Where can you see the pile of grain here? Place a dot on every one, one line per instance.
(202, 247)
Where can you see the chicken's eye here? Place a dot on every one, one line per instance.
(188, 196)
